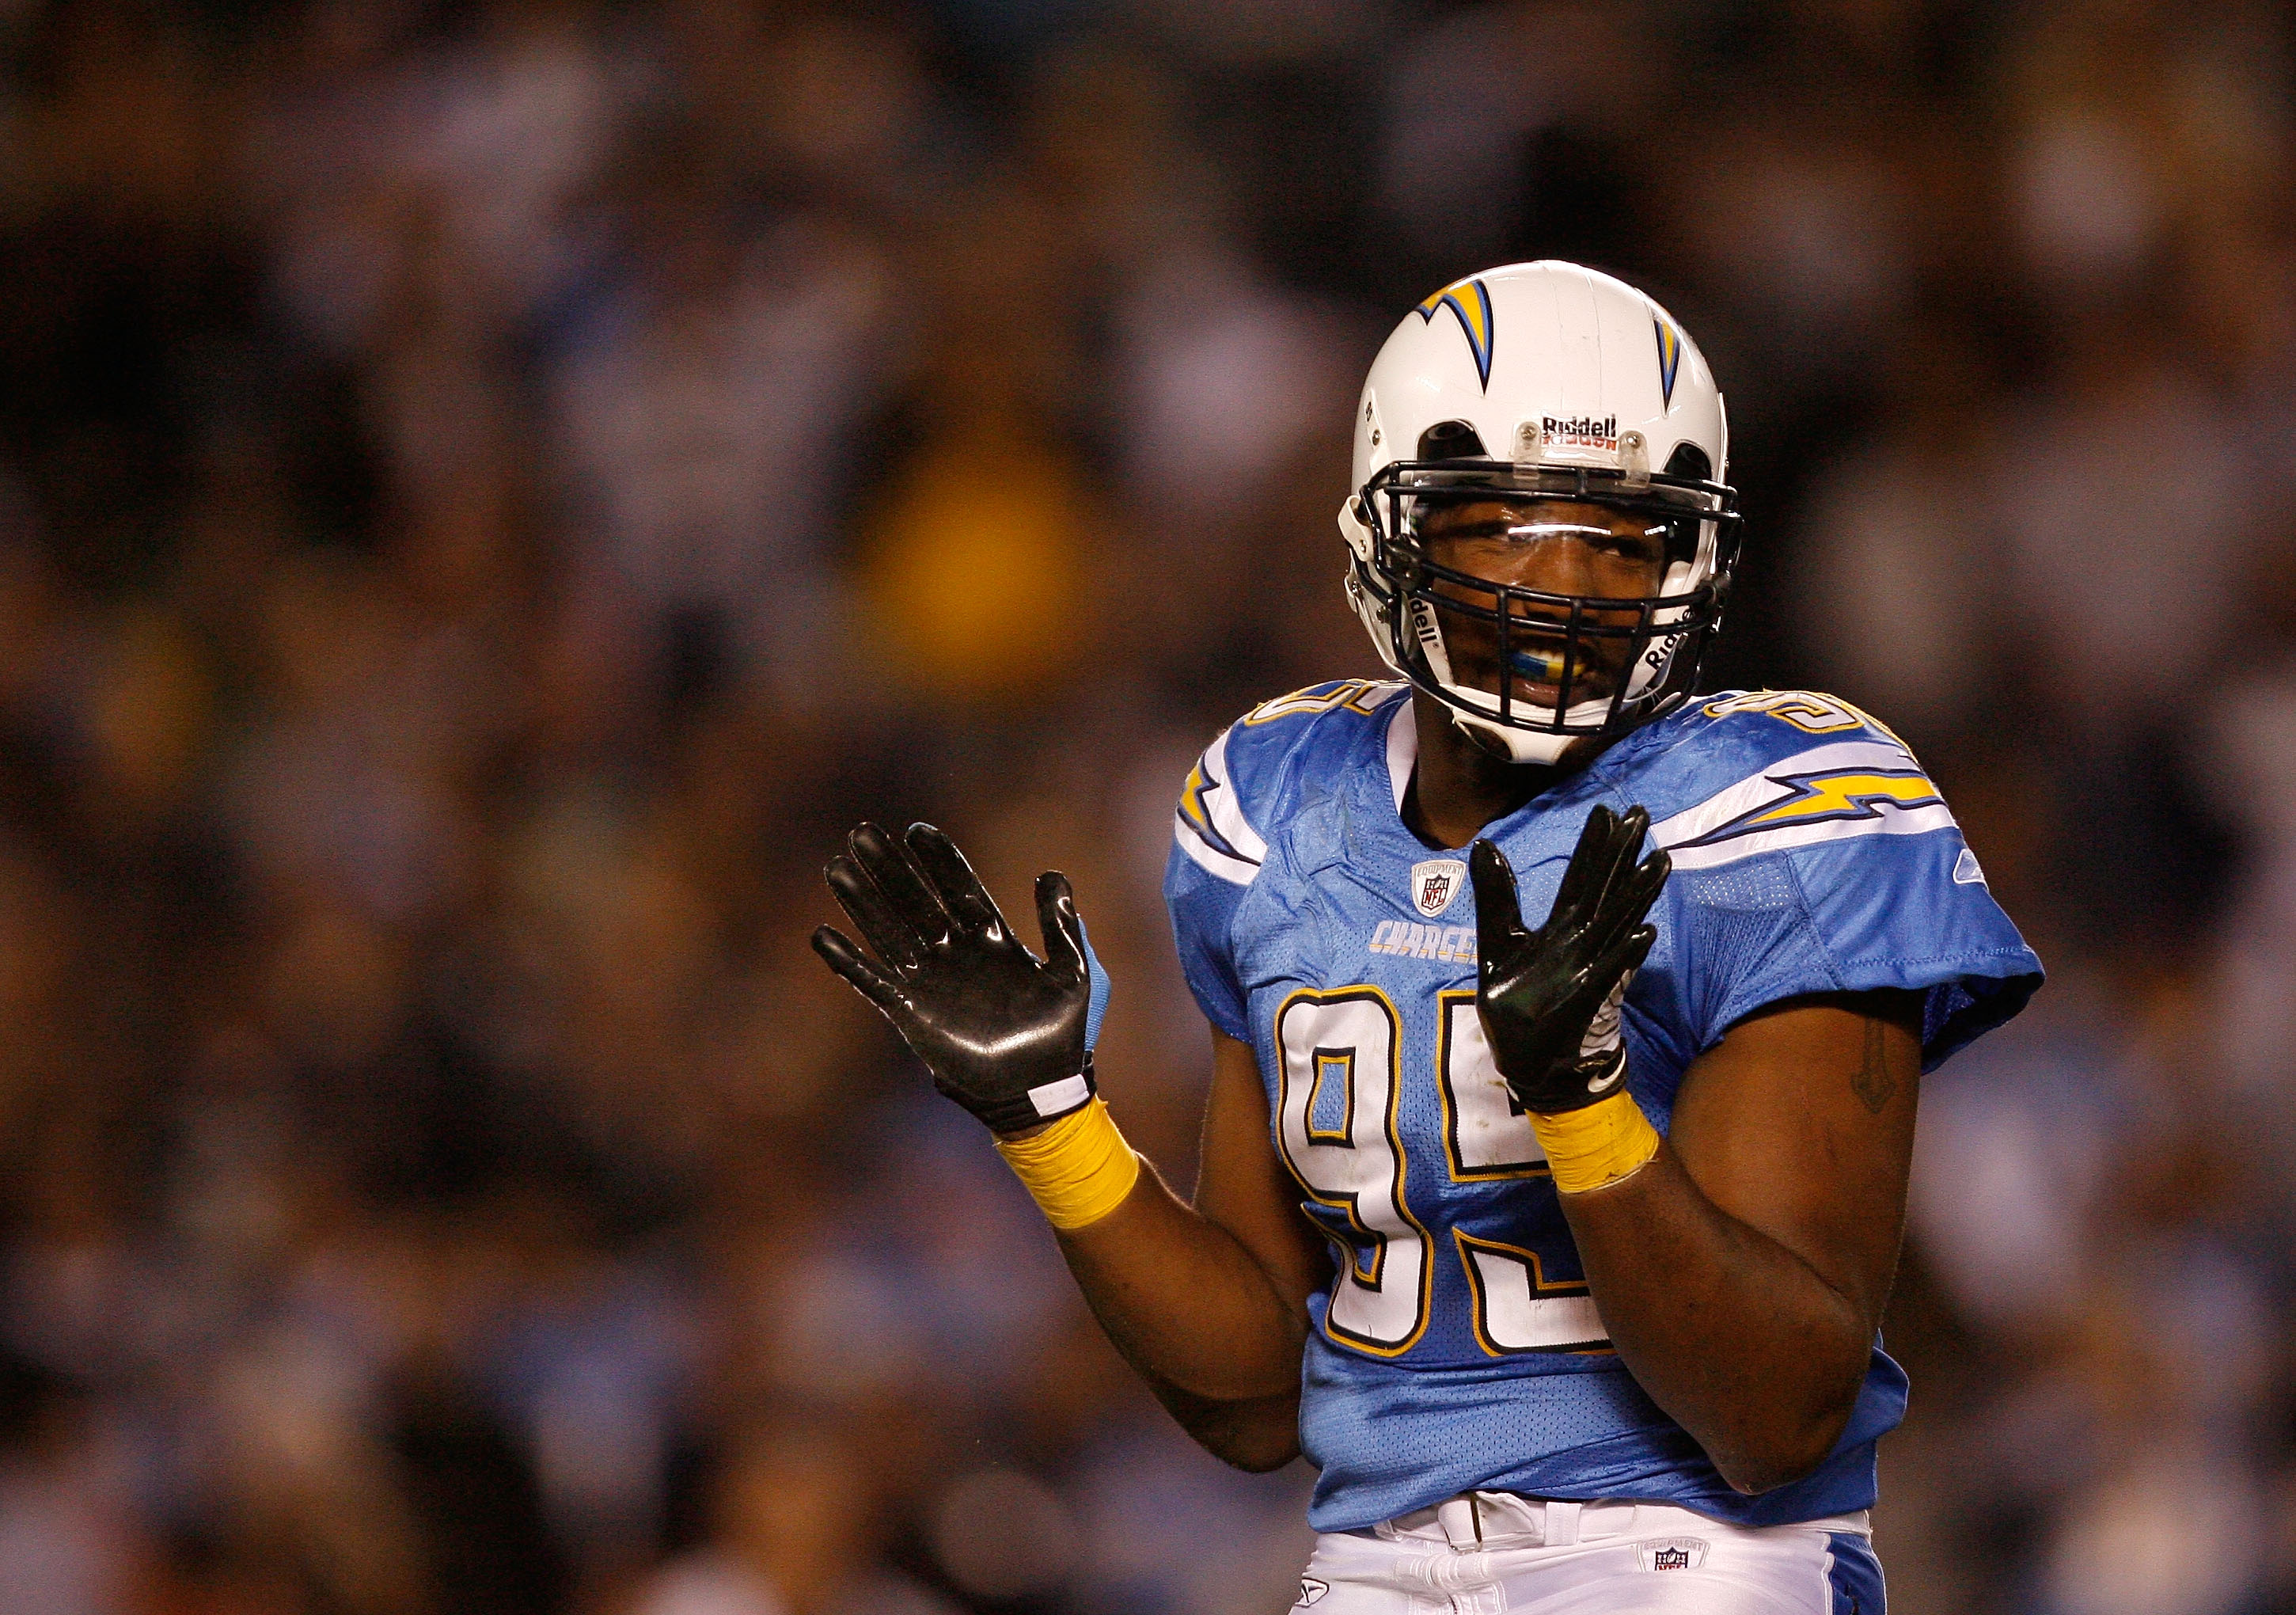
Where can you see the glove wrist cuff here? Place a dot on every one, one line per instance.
(1045, 1102)
(1585, 1082)
(1596, 1144)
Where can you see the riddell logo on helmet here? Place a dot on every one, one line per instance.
(1579, 432)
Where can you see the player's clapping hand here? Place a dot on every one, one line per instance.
(1549, 999)
(1003, 1033)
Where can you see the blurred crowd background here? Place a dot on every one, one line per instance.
(489, 493)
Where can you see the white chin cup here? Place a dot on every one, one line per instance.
(1523, 745)
(1476, 710)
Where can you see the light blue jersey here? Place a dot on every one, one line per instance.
(1458, 1348)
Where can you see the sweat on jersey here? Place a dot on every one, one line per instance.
(1458, 1347)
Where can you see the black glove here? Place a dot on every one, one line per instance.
(1549, 999)
(1002, 1034)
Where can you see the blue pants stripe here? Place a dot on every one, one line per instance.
(1854, 1574)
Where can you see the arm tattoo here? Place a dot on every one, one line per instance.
(1872, 1082)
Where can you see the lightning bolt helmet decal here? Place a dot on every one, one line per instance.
(1670, 360)
(1471, 301)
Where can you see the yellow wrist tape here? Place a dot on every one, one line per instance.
(1598, 1144)
(1080, 1168)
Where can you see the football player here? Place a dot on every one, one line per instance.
(1600, 1214)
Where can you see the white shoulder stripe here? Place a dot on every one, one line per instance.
(1208, 858)
(1226, 812)
(1209, 824)
(1755, 789)
(1829, 792)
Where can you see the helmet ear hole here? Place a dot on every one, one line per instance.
(1689, 462)
(1452, 440)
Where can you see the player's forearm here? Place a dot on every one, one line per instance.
(1185, 1302)
(1738, 1338)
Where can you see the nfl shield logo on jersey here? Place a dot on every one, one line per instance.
(1310, 1590)
(1434, 884)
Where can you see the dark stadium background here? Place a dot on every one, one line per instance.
(489, 493)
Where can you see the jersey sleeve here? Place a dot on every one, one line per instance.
(1216, 853)
(1837, 867)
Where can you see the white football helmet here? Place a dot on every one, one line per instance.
(1542, 382)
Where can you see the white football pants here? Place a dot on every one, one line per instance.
(1496, 1554)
